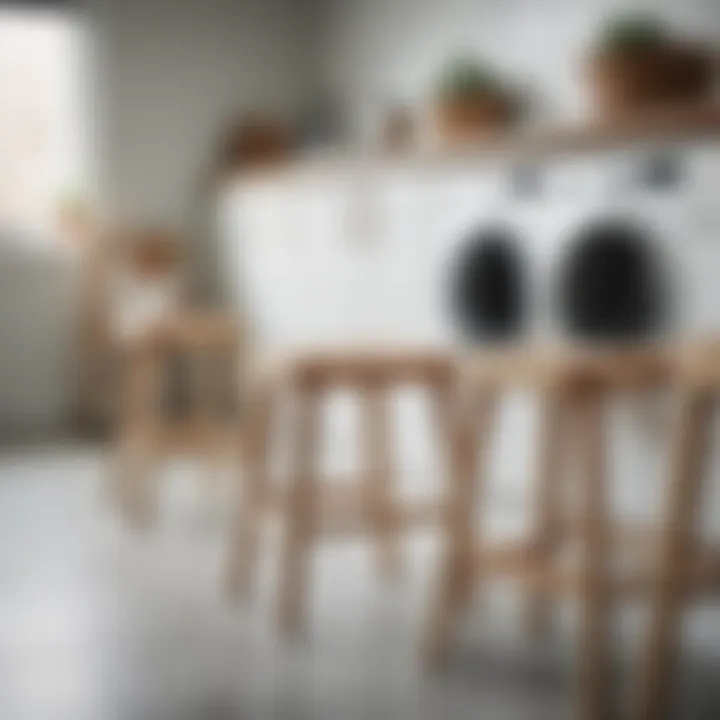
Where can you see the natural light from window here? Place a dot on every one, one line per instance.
(43, 129)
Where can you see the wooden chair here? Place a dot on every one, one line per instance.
(686, 566)
(574, 386)
(310, 507)
(154, 330)
(132, 278)
(147, 429)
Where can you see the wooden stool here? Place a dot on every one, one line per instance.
(573, 385)
(310, 507)
(685, 567)
(146, 430)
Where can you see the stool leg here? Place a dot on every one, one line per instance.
(122, 435)
(130, 414)
(466, 488)
(204, 411)
(134, 484)
(208, 416)
(547, 510)
(300, 512)
(476, 452)
(595, 599)
(660, 656)
(380, 508)
(253, 499)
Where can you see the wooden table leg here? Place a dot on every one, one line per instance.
(655, 688)
(251, 501)
(300, 511)
(378, 492)
(547, 511)
(595, 657)
(471, 430)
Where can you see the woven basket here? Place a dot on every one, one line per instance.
(623, 83)
(461, 121)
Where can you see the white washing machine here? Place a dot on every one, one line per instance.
(618, 247)
(660, 201)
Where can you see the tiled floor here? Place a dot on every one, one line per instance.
(100, 624)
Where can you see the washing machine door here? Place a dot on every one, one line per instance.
(611, 283)
(488, 284)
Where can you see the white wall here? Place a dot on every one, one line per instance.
(170, 75)
(38, 368)
(375, 49)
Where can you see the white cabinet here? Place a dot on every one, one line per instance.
(335, 260)
(289, 262)
(394, 259)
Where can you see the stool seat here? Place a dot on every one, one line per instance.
(357, 366)
(569, 366)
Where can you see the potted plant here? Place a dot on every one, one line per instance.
(253, 141)
(472, 99)
(637, 64)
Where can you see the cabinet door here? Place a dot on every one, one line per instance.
(328, 315)
(401, 273)
(268, 261)
(302, 282)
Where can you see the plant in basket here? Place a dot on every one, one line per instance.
(637, 64)
(472, 99)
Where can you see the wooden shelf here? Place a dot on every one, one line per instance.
(668, 124)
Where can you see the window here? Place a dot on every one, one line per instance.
(43, 136)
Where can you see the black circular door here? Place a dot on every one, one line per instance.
(611, 283)
(487, 285)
